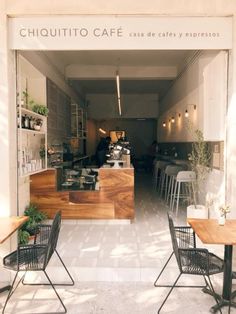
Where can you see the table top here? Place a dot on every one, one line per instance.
(8, 225)
(210, 232)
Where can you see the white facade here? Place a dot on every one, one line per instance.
(189, 8)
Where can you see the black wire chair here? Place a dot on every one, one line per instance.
(186, 239)
(35, 257)
(192, 260)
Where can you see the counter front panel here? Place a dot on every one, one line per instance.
(113, 200)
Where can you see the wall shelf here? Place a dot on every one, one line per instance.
(78, 122)
(32, 144)
(34, 132)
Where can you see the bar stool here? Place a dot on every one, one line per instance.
(171, 173)
(159, 164)
(184, 163)
(162, 182)
(184, 180)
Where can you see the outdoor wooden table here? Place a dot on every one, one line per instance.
(9, 225)
(210, 232)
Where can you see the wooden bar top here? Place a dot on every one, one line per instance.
(8, 225)
(210, 232)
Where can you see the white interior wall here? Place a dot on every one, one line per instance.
(173, 7)
(32, 80)
(187, 91)
(105, 106)
(215, 97)
(42, 63)
(195, 87)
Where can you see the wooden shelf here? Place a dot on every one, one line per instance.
(30, 112)
(78, 122)
(32, 131)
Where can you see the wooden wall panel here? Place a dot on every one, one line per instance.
(43, 182)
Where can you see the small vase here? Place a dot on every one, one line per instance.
(37, 127)
(221, 220)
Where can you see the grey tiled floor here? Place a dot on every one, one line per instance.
(115, 266)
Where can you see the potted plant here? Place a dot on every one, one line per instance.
(30, 226)
(40, 109)
(37, 124)
(25, 98)
(199, 158)
(23, 236)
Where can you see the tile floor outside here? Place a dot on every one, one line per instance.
(115, 265)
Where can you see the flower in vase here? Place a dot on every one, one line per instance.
(224, 210)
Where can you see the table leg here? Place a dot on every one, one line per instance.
(227, 281)
(225, 300)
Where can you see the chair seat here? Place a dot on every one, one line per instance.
(29, 257)
(201, 263)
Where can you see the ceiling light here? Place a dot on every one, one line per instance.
(118, 91)
(102, 131)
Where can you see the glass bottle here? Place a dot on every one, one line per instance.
(27, 122)
(18, 120)
(23, 122)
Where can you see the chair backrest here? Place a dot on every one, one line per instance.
(161, 164)
(172, 170)
(174, 239)
(53, 237)
(182, 237)
(186, 176)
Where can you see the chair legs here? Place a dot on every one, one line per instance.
(55, 284)
(155, 283)
(168, 286)
(12, 289)
(168, 294)
(21, 280)
(66, 269)
(208, 288)
(65, 310)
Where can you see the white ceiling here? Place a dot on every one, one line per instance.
(127, 57)
(92, 72)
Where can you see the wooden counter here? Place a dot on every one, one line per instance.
(114, 200)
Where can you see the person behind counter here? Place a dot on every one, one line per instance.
(151, 154)
(102, 150)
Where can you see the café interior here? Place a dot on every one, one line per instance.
(114, 210)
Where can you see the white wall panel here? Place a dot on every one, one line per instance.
(215, 97)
